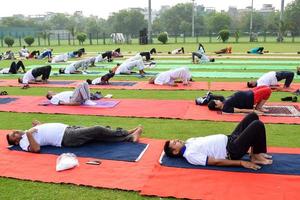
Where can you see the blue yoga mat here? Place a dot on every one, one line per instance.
(7, 100)
(123, 151)
(61, 82)
(287, 164)
(121, 83)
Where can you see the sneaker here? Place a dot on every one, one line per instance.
(90, 103)
(287, 99)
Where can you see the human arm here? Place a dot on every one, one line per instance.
(33, 147)
(236, 163)
(237, 110)
(36, 123)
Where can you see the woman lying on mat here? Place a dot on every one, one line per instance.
(271, 79)
(62, 135)
(14, 68)
(223, 150)
(177, 51)
(172, 77)
(226, 50)
(243, 101)
(257, 50)
(31, 76)
(81, 95)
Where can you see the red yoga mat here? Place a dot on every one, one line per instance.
(148, 108)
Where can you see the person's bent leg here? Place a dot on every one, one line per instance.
(13, 68)
(248, 119)
(289, 77)
(46, 72)
(261, 95)
(20, 65)
(81, 93)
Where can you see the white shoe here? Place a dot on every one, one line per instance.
(90, 103)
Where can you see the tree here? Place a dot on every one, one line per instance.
(218, 21)
(9, 41)
(163, 37)
(292, 16)
(81, 37)
(224, 35)
(29, 40)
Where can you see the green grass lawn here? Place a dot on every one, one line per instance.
(279, 135)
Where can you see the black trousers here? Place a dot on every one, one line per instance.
(147, 55)
(107, 54)
(288, 76)
(14, 67)
(42, 71)
(196, 54)
(75, 136)
(250, 132)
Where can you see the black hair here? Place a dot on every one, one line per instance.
(118, 50)
(89, 81)
(61, 70)
(48, 96)
(212, 60)
(212, 105)
(169, 151)
(249, 85)
(9, 141)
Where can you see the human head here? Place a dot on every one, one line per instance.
(14, 137)
(173, 148)
(89, 81)
(20, 80)
(49, 95)
(215, 105)
(24, 47)
(251, 84)
(151, 80)
(61, 70)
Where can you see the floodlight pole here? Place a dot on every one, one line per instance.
(149, 22)
(193, 18)
(280, 35)
(251, 21)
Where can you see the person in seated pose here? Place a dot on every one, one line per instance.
(45, 54)
(243, 101)
(200, 53)
(74, 67)
(227, 50)
(81, 95)
(170, 77)
(177, 51)
(223, 150)
(24, 52)
(257, 50)
(63, 135)
(103, 80)
(271, 79)
(126, 67)
(30, 77)
(9, 55)
(14, 68)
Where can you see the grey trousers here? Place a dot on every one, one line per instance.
(77, 136)
(81, 93)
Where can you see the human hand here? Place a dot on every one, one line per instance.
(250, 165)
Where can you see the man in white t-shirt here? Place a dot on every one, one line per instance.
(126, 67)
(62, 135)
(30, 77)
(74, 67)
(222, 150)
(272, 78)
(60, 58)
(81, 95)
(172, 76)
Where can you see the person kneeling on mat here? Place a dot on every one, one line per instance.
(81, 95)
(63, 135)
(30, 77)
(243, 101)
(223, 150)
(271, 79)
(171, 77)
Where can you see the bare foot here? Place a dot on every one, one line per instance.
(263, 110)
(259, 159)
(136, 135)
(267, 156)
(133, 130)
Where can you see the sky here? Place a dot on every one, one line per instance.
(104, 8)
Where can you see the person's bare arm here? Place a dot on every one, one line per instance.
(237, 110)
(35, 123)
(236, 163)
(33, 147)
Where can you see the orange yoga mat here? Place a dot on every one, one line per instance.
(148, 108)
(144, 85)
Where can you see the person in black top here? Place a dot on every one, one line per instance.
(243, 101)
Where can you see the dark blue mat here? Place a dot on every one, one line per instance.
(123, 151)
(7, 100)
(115, 83)
(61, 82)
(287, 164)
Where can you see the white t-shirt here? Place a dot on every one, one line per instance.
(175, 51)
(4, 71)
(47, 134)
(267, 79)
(96, 81)
(126, 67)
(199, 149)
(99, 58)
(62, 96)
(170, 76)
(134, 58)
(60, 58)
(204, 58)
(28, 77)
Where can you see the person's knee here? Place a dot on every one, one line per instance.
(253, 116)
(258, 126)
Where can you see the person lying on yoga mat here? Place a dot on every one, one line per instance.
(81, 95)
(103, 80)
(177, 51)
(117, 53)
(59, 58)
(147, 54)
(257, 50)
(63, 135)
(104, 56)
(78, 53)
(223, 150)
(127, 67)
(45, 54)
(31, 76)
(14, 68)
(200, 53)
(172, 77)
(74, 67)
(226, 50)
(271, 79)
(243, 101)
(34, 54)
